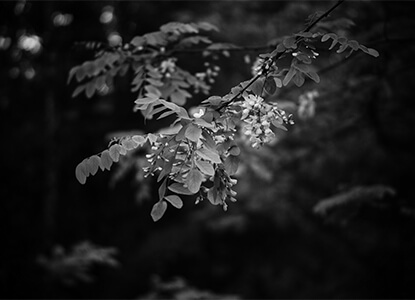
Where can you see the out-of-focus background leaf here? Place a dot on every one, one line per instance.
(328, 211)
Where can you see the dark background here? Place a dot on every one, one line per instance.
(269, 244)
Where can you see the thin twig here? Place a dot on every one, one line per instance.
(278, 55)
(324, 15)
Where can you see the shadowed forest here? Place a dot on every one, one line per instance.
(326, 211)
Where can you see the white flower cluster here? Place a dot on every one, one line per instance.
(259, 115)
(257, 66)
(209, 75)
(168, 67)
(262, 66)
(307, 105)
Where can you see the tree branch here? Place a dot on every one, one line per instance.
(324, 15)
(279, 54)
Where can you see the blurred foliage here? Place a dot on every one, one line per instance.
(271, 245)
(179, 289)
(76, 265)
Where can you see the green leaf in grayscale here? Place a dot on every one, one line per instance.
(158, 210)
(175, 200)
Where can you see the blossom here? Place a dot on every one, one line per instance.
(168, 66)
(307, 105)
(259, 116)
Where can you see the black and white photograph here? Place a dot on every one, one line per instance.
(207, 149)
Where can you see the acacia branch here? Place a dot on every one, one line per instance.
(275, 57)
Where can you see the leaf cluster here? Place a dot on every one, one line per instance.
(199, 154)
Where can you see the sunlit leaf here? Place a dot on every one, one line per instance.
(205, 167)
(106, 161)
(194, 180)
(213, 196)
(152, 91)
(158, 210)
(145, 100)
(180, 111)
(204, 123)
(209, 154)
(152, 138)
(93, 164)
(174, 200)
(166, 169)
(114, 152)
(140, 140)
(208, 141)
(178, 188)
(193, 133)
(81, 173)
(123, 150)
(165, 114)
(129, 144)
